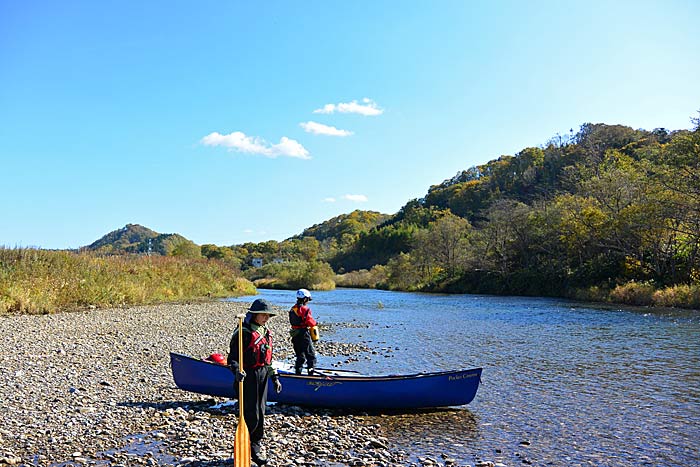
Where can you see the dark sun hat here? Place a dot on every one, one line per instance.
(261, 305)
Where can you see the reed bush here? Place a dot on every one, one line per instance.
(316, 275)
(43, 281)
(633, 293)
(682, 296)
(362, 278)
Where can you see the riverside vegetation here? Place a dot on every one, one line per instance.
(41, 281)
(609, 213)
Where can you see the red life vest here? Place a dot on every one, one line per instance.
(261, 347)
(300, 317)
(295, 317)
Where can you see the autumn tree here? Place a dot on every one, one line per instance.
(445, 243)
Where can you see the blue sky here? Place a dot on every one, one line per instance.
(236, 121)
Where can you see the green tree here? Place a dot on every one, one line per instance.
(423, 256)
(401, 273)
(504, 237)
(449, 236)
(187, 249)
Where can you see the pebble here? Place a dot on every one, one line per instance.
(98, 387)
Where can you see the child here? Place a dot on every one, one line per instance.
(301, 320)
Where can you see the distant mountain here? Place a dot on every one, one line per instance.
(352, 224)
(135, 238)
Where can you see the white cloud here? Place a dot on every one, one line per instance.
(291, 148)
(240, 142)
(248, 231)
(329, 200)
(321, 129)
(237, 141)
(326, 109)
(367, 108)
(356, 198)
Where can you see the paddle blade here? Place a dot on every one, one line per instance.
(241, 454)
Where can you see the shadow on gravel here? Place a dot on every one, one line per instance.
(215, 407)
(295, 409)
(210, 405)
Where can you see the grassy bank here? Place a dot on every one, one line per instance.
(491, 283)
(646, 294)
(41, 281)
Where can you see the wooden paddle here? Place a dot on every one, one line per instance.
(241, 454)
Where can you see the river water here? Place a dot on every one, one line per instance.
(564, 383)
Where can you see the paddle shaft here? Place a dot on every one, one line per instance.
(240, 366)
(242, 444)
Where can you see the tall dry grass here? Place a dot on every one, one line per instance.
(363, 278)
(42, 281)
(643, 294)
(683, 296)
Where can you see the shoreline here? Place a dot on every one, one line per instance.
(95, 387)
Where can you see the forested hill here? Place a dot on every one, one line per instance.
(541, 173)
(345, 226)
(602, 207)
(135, 238)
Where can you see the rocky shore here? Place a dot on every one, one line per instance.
(95, 388)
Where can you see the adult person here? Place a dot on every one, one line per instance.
(257, 368)
(302, 322)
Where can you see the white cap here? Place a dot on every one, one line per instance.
(303, 293)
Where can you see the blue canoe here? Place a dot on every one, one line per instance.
(338, 389)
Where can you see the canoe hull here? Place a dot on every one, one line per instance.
(425, 390)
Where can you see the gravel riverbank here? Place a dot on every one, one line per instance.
(95, 388)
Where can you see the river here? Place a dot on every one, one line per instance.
(564, 383)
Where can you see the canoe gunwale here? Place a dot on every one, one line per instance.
(327, 373)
